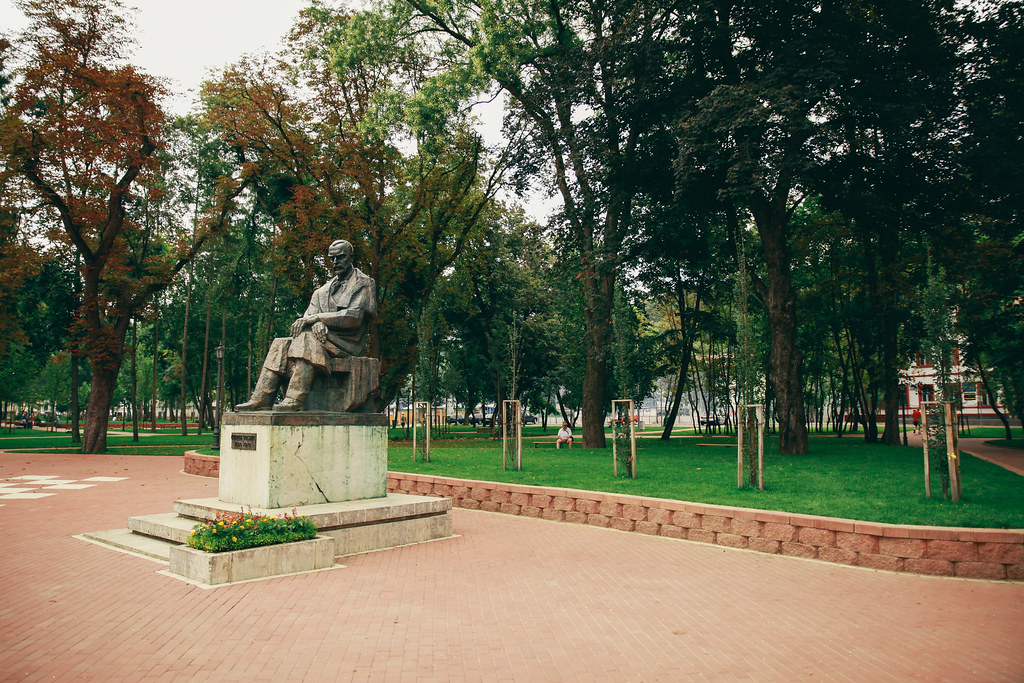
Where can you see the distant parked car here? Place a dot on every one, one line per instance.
(529, 419)
(710, 420)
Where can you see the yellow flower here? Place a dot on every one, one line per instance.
(234, 540)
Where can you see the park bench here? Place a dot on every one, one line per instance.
(538, 444)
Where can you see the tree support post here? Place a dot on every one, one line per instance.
(741, 423)
(416, 407)
(924, 443)
(622, 413)
(511, 430)
(952, 451)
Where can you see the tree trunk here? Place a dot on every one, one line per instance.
(156, 344)
(104, 379)
(135, 382)
(184, 352)
(891, 397)
(785, 356)
(204, 398)
(76, 433)
(687, 330)
(992, 400)
(598, 312)
(677, 399)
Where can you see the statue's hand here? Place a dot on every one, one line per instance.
(303, 323)
(320, 332)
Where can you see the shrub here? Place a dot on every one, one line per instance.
(235, 531)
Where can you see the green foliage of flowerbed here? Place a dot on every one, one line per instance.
(246, 530)
(843, 478)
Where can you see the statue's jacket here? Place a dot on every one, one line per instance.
(346, 308)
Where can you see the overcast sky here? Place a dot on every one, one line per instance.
(182, 40)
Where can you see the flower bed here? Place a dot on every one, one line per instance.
(237, 531)
(252, 563)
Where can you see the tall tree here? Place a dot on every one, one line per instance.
(587, 82)
(892, 111)
(83, 129)
(347, 145)
(990, 300)
(788, 86)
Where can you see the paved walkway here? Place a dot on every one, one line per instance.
(1010, 458)
(510, 599)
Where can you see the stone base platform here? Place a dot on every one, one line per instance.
(354, 526)
(357, 526)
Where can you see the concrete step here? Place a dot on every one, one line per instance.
(167, 525)
(123, 539)
(326, 516)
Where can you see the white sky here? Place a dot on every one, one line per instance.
(184, 40)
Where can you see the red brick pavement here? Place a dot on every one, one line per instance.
(510, 599)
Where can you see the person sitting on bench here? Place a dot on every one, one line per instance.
(564, 436)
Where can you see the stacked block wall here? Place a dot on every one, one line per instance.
(945, 551)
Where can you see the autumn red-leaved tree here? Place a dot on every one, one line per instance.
(81, 132)
(326, 127)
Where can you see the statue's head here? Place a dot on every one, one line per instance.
(340, 254)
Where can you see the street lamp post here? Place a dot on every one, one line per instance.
(218, 414)
(903, 411)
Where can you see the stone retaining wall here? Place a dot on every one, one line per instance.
(202, 465)
(944, 551)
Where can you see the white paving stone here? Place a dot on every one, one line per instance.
(105, 479)
(69, 487)
(25, 496)
(36, 477)
(57, 482)
(8, 491)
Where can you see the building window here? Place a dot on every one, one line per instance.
(926, 392)
(923, 360)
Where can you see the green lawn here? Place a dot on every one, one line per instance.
(25, 441)
(842, 478)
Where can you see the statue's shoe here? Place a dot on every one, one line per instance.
(252, 405)
(289, 405)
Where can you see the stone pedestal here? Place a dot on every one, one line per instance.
(282, 460)
(330, 467)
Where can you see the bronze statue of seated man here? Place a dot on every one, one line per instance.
(334, 326)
